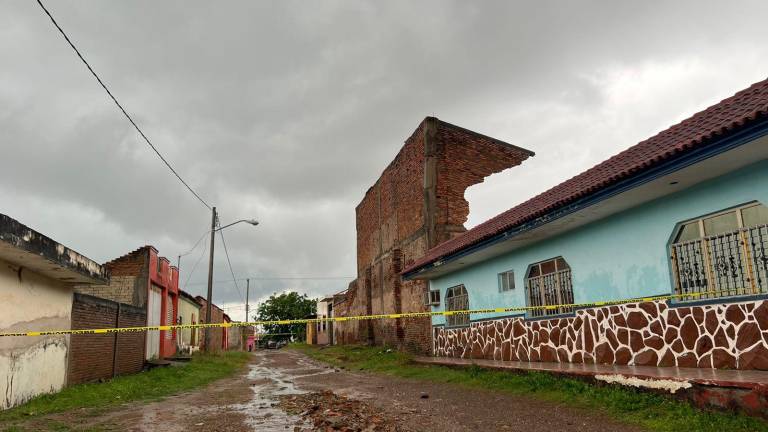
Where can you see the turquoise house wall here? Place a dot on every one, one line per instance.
(621, 256)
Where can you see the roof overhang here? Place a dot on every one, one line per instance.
(188, 297)
(28, 249)
(719, 158)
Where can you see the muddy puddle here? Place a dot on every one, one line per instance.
(269, 382)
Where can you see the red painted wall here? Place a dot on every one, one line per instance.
(165, 276)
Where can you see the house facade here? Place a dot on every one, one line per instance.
(235, 335)
(37, 275)
(324, 329)
(145, 280)
(417, 203)
(187, 339)
(682, 213)
(219, 336)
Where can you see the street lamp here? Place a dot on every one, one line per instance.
(253, 222)
(208, 308)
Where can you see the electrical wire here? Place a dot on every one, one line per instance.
(125, 113)
(196, 244)
(202, 254)
(226, 252)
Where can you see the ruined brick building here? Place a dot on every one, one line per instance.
(417, 203)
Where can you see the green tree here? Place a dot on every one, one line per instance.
(290, 305)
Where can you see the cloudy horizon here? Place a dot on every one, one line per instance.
(288, 111)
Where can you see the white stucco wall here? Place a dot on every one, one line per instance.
(189, 311)
(30, 366)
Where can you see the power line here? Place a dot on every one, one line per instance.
(226, 252)
(205, 247)
(196, 244)
(125, 113)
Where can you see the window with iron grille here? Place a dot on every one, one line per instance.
(432, 298)
(548, 283)
(722, 254)
(457, 299)
(506, 281)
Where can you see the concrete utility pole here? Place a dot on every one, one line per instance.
(209, 298)
(247, 290)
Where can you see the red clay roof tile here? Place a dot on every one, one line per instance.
(744, 107)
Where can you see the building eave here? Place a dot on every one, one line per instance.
(720, 146)
(28, 249)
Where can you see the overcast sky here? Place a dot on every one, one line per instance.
(287, 111)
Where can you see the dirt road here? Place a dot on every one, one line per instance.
(286, 391)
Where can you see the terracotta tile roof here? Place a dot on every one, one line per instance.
(730, 114)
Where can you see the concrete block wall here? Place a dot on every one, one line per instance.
(101, 356)
(129, 277)
(417, 203)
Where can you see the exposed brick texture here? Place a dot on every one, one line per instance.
(416, 204)
(218, 335)
(92, 357)
(128, 279)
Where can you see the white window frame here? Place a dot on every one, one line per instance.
(508, 277)
(432, 297)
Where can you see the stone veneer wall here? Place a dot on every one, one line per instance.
(724, 336)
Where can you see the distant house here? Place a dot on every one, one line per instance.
(683, 213)
(147, 281)
(311, 330)
(324, 329)
(218, 335)
(250, 337)
(37, 275)
(235, 335)
(188, 340)
(339, 309)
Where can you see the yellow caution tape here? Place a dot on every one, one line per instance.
(357, 318)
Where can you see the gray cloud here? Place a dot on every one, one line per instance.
(288, 111)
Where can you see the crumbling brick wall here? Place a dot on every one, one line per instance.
(416, 204)
(128, 278)
(101, 356)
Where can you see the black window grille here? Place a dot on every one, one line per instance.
(722, 260)
(549, 287)
(457, 299)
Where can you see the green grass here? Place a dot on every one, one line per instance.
(653, 411)
(151, 385)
